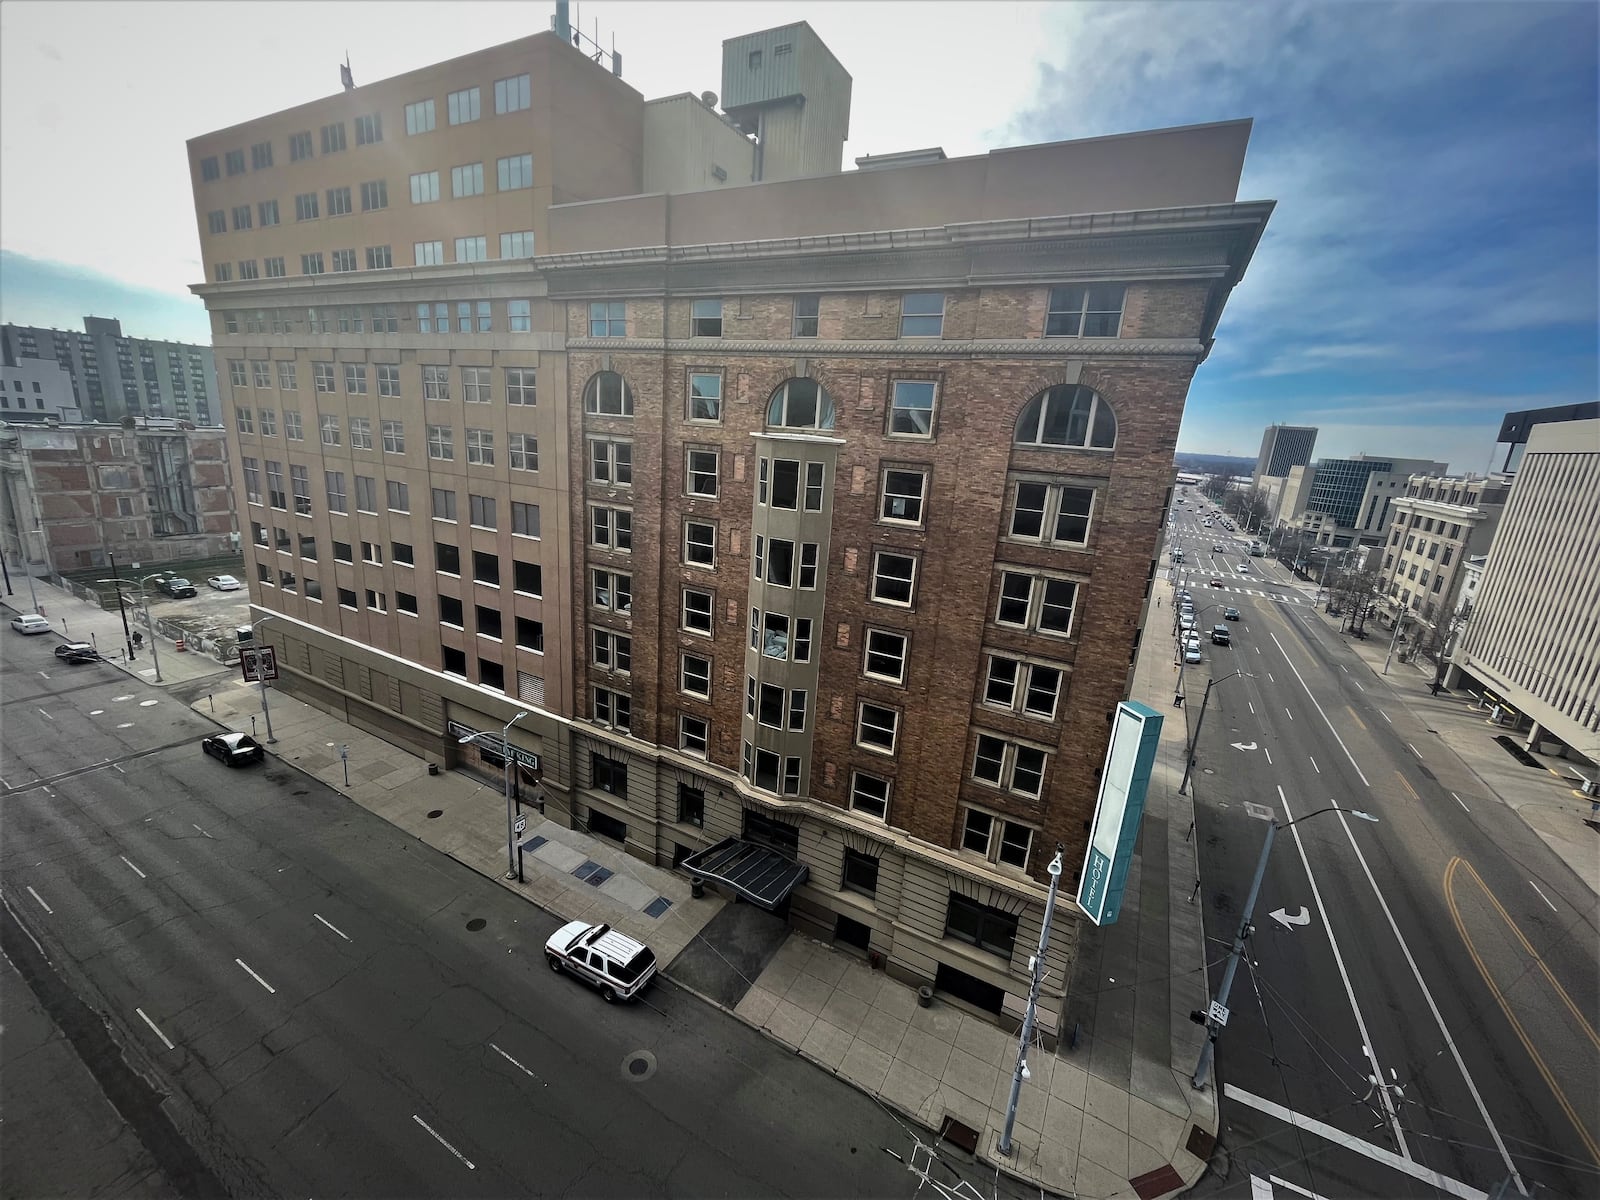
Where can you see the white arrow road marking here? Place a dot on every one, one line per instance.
(1243, 745)
(1286, 919)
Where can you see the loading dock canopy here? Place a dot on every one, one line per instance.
(761, 875)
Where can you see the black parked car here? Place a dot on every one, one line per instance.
(178, 587)
(233, 748)
(77, 652)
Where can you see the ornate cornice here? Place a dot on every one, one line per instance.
(907, 348)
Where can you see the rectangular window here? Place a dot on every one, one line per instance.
(700, 473)
(511, 95)
(877, 728)
(911, 408)
(700, 543)
(369, 129)
(234, 161)
(308, 547)
(894, 578)
(519, 319)
(217, 221)
(292, 426)
(242, 217)
(311, 264)
(399, 496)
(463, 106)
(435, 383)
(785, 483)
(814, 478)
(360, 433)
(611, 651)
(425, 187)
(986, 928)
(705, 397)
(524, 451)
(694, 675)
(611, 462)
(1008, 765)
(333, 138)
(260, 373)
(374, 195)
(1051, 513)
(705, 318)
(922, 314)
(388, 379)
(470, 250)
(247, 270)
(405, 602)
(608, 318)
(1029, 688)
(267, 212)
(480, 447)
(419, 117)
(488, 621)
(403, 553)
(886, 653)
(451, 612)
(236, 376)
(328, 423)
(514, 173)
(339, 202)
(869, 795)
(1085, 311)
(482, 511)
(441, 443)
(517, 245)
(209, 169)
(521, 386)
(903, 494)
(697, 611)
(530, 634)
(385, 317)
(996, 839)
(252, 484)
(394, 437)
(366, 495)
(355, 379)
(524, 518)
(273, 267)
(447, 558)
(693, 735)
(261, 156)
(224, 272)
(611, 591)
(333, 481)
(613, 708)
(475, 385)
(344, 260)
(466, 180)
(1036, 602)
(611, 528)
(299, 146)
(805, 316)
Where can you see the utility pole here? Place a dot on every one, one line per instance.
(1036, 969)
(121, 606)
(1188, 753)
(1399, 624)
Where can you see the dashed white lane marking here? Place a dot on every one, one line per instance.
(43, 675)
(120, 699)
(1378, 1154)
(1413, 750)
(97, 712)
(1252, 708)
(42, 904)
(1314, 766)
(256, 977)
(203, 833)
(1384, 715)
(1286, 709)
(444, 1143)
(1357, 682)
(1270, 679)
(1318, 707)
(46, 715)
(133, 868)
(126, 725)
(148, 703)
(1459, 801)
(1344, 668)
(516, 1064)
(331, 926)
(1531, 884)
(1268, 753)
(154, 1030)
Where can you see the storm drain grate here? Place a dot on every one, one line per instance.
(586, 868)
(534, 843)
(657, 906)
(598, 876)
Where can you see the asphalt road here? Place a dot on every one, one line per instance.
(1444, 951)
(283, 995)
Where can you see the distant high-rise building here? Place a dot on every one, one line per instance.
(1341, 483)
(112, 376)
(1283, 447)
(1529, 645)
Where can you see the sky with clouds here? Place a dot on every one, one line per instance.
(1432, 262)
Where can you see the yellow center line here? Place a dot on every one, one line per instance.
(1405, 783)
(1362, 724)
(1505, 1005)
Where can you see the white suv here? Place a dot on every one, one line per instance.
(613, 962)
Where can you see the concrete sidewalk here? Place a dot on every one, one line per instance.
(1110, 1113)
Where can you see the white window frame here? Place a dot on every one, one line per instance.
(917, 299)
(906, 414)
(419, 117)
(617, 532)
(1018, 677)
(877, 560)
(905, 498)
(1004, 775)
(466, 181)
(873, 647)
(687, 681)
(464, 106)
(694, 475)
(702, 399)
(873, 803)
(1038, 589)
(893, 728)
(997, 834)
(688, 559)
(685, 612)
(1050, 512)
(694, 741)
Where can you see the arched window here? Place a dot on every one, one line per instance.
(608, 395)
(1068, 415)
(800, 404)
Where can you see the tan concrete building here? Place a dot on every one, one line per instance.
(1532, 645)
(809, 518)
(1436, 525)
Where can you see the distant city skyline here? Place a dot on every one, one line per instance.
(1429, 267)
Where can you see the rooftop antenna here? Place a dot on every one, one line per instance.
(345, 77)
(567, 24)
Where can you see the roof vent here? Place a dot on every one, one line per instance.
(709, 99)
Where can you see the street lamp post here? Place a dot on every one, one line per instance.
(1399, 624)
(513, 859)
(1215, 1017)
(261, 675)
(27, 565)
(149, 624)
(144, 603)
(122, 606)
(1036, 969)
(1194, 741)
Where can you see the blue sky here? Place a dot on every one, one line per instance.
(1431, 264)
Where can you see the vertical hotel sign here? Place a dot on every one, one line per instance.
(1135, 734)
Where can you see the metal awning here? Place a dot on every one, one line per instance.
(760, 874)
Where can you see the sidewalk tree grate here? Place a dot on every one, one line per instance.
(586, 868)
(534, 843)
(598, 876)
(1201, 1143)
(657, 906)
(1157, 1183)
(958, 1134)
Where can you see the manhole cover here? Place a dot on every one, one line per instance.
(639, 1066)
(476, 924)
(436, 813)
